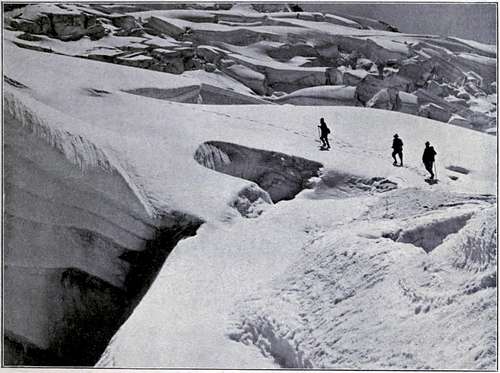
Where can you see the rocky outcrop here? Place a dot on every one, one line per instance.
(409, 103)
(436, 89)
(370, 85)
(38, 25)
(171, 27)
(482, 67)
(387, 98)
(433, 111)
(457, 120)
(481, 121)
(170, 60)
(352, 77)
(74, 27)
(457, 101)
(416, 71)
(128, 25)
(209, 53)
(286, 52)
(435, 107)
(60, 23)
(364, 64)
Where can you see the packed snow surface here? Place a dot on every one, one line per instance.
(342, 276)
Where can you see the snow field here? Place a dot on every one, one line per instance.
(309, 282)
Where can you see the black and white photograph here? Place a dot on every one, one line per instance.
(249, 185)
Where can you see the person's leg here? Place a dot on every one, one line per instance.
(327, 142)
(428, 167)
(323, 143)
(401, 157)
(394, 157)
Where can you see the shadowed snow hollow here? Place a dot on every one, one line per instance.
(281, 175)
(339, 184)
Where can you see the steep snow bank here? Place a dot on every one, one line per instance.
(198, 94)
(323, 95)
(81, 242)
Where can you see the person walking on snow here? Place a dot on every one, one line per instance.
(428, 158)
(397, 149)
(324, 134)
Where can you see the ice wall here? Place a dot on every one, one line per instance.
(81, 245)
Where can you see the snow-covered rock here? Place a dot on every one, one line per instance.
(252, 79)
(435, 112)
(128, 25)
(394, 100)
(168, 26)
(63, 22)
(385, 99)
(370, 85)
(459, 121)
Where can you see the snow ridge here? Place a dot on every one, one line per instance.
(48, 125)
(78, 150)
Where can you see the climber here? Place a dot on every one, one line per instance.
(428, 158)
(324, 131)
(397, 149)
(380, 68)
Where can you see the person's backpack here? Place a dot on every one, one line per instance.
(327, 130)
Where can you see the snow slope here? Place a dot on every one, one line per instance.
(277, 285)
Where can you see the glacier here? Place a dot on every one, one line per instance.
(160, 220)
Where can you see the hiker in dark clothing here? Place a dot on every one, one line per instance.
(324, 134)
(428, 158)
(397, 149)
